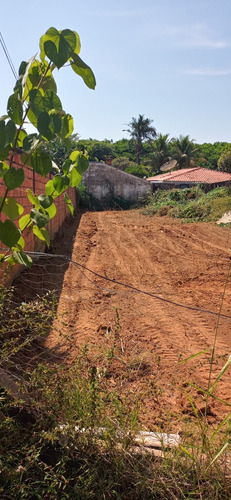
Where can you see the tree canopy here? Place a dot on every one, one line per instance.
(224, 162)
(140, 130)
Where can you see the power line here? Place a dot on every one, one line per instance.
(6, 52)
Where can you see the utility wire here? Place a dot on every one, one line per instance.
(135, 289)
(130, 287)
(6, 52)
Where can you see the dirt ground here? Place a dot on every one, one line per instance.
(137, 341)
(184, 268)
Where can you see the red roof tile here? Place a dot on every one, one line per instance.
(195, 174)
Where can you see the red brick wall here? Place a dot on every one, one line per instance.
(37, 183)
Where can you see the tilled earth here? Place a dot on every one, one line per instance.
(137, 340)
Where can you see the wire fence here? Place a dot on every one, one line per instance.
(48, 271)
(32, 306)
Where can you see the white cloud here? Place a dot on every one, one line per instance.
(207, 72)
(196, 36)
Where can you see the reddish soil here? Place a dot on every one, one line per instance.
(179, 263)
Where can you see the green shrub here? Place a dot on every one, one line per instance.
(190, 204)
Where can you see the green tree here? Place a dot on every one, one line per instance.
(122, 162)
(102, 150)
(161, 152)
(138, 170)
(35, 99)
(140, 131)
(60, 149)
(184, 151)
(211, 153)
(124, 148)
(96, 150)
(224, 162)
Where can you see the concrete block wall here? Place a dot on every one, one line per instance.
(36, 183)
(109, 187)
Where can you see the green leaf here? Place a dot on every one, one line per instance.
(19, 245)
(21, 137)
(44, 101)
(58, 46)
(57, 122)
(83, 70)
(15, 109)
(39, 218)
(10, 132)
(69, 203)
(45, 126)
(67, 126)
(31, 75)
(80, 160)
(82, 164)
(188, 453)
(52, 101)
(18, 87)
(61, 183)
(75, 177)
(49, 83)
(33, 199)
(24, 221)
(42, 234)
(12, 208)
(9, 233)
(32, 117)
(219, 453)
(23, 259)
(41, 162)
(3, 168)
(194, 355)
(66, 166)
(78, 44)
(50, 190)
(30, 142)
(45, 201)
(74, 156)
(13, 178)
(34, 76)
(2, 135)
(51, 211)
(4, 153)
(221, 373)
(22, 68)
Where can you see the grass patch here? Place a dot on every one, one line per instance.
(73, 438)
(190, 204)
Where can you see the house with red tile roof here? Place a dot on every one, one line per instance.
(189, 177)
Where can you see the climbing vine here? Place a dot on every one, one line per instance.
(34, 100)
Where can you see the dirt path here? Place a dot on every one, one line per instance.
(183, 263)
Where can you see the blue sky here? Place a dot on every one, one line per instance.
(167, 59)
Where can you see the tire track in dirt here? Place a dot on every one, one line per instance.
(186, 263)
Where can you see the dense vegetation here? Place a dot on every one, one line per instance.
(67, 435)
(154, 153)
(192, 204)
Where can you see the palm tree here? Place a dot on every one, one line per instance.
(184, 151)
(161, 151)
(140, 130)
